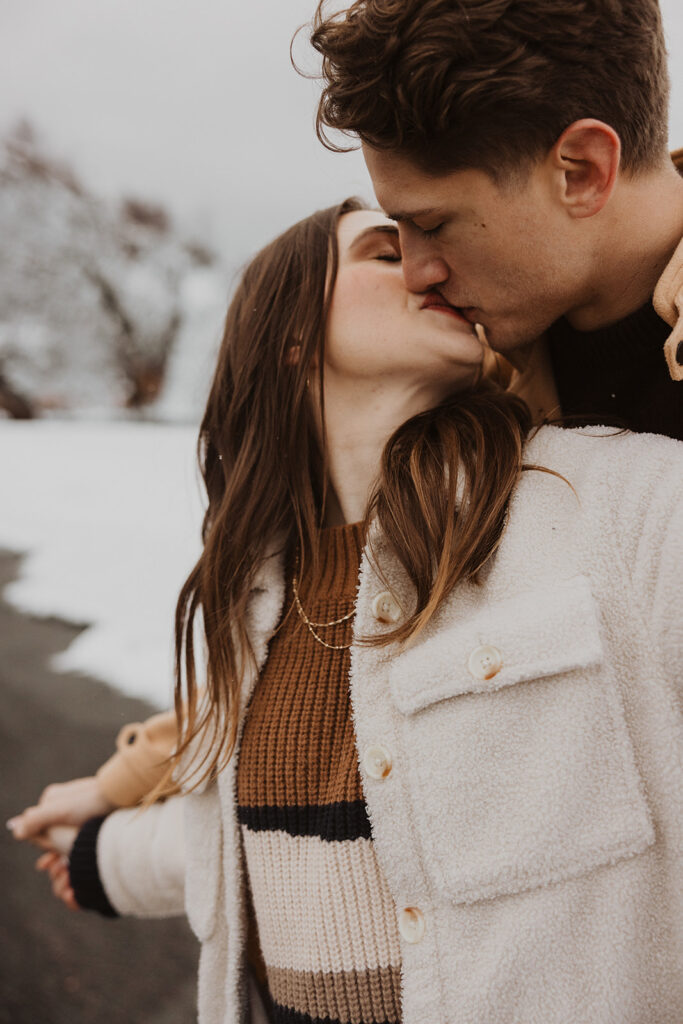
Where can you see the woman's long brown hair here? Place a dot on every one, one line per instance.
(446, 478)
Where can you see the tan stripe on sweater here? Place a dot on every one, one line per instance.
(353, 997)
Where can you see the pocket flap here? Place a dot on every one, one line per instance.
(537, 633)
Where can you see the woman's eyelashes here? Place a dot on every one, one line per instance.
(389, 251)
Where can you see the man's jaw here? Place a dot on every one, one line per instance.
(496, 330)
(470, 313)
(498, 336)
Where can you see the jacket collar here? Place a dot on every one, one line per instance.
(668, 296)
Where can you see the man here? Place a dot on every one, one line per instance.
(522, 147)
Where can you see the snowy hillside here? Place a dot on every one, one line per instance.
(96, 297)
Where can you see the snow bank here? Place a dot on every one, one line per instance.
(109, 516)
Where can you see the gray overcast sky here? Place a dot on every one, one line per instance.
(194, 103)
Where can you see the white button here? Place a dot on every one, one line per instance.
(385, 607)
(485, 662)
(411, 924)
(377, 762)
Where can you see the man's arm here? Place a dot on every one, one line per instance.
(139, 763)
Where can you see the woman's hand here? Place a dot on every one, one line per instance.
(56, 864)
(63, 803)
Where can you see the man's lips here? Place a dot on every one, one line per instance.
(437, 302)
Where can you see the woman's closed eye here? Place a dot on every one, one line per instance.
(388, 249)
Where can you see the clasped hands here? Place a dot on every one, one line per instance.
(53, 824)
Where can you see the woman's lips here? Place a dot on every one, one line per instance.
(449, 310)
(436, 302)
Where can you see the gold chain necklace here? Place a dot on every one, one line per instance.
(312, 626)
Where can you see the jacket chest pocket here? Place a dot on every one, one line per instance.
(519, 764)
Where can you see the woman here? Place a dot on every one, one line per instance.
(436, 772)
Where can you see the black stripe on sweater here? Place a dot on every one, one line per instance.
(335, 822)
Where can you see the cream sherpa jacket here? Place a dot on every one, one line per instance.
(532, 819)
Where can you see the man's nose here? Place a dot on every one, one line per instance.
(422, 269)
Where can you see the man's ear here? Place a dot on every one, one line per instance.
(586, 160)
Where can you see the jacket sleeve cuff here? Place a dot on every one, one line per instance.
(83, 871)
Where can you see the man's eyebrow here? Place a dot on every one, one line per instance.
(382, 229)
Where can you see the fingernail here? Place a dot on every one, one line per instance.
(11, 824)
(679, 353)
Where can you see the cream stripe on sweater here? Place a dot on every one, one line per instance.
(321, 906)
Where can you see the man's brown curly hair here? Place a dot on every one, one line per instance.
(492, 84)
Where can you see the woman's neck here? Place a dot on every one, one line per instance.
(359, 424)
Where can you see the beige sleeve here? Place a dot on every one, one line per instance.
(668, 303)
(141, 860)
(140, 759)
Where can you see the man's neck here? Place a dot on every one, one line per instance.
(641, 229)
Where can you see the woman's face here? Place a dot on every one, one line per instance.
(379, 333)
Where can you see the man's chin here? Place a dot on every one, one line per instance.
(511, 342)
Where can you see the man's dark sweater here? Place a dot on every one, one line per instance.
(618, 375)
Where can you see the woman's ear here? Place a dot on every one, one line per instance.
(586, 159)
(293, 355)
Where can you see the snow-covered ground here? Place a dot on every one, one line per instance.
(109, 516)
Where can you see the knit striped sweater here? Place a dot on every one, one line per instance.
(325, 919)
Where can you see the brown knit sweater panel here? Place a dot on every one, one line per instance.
(317, 762)
(325, 918)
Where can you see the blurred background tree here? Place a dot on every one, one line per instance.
(94, 295)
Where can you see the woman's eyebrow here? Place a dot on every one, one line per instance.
(383, 229)
(411, 215)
